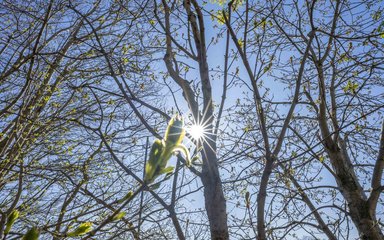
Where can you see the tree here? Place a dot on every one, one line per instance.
(288, 94)
(53, 78)
(325, 68)
(215, 203)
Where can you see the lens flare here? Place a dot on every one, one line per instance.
(201, 133)
(196, 131)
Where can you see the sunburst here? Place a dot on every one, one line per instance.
(197, 131)
(200, 132)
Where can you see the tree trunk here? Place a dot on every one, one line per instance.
(359, 207)
(215, 202)
(261, 196)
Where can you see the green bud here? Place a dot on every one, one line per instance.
(32, 234)
(162, 150)
(184, 149)
(129, 195)
(11, 220)
(119, 216)
(126, 197)
(154, 160)
(82, 229)
(175, 131)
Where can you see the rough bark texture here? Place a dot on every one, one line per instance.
(359, 206)
(360, 211)
(215, 202)
(261, 197)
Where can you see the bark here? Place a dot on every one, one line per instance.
(358, 204)
(215, 202)
(261, 197)
(361, 209)
(362, 215)
(3, 221)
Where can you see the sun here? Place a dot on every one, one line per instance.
(196, 131)
(200, 133)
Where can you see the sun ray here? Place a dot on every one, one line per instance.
(196, 131)
(200, 132)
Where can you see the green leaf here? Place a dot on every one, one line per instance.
(185, 151)
(167, 170)
(267, 68)
(220, 17)
(175, 131)
(82, 229)
(110, 102)
(125, 61)
(119, 216)
(377, 15)
(240, 42)
(155, 186)
(126, 197)
(32, 234)
(220, 2)
(11, 220)
(162, 150)
(351, 87)
(102, 20)
(343, 58)
(154, 160)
